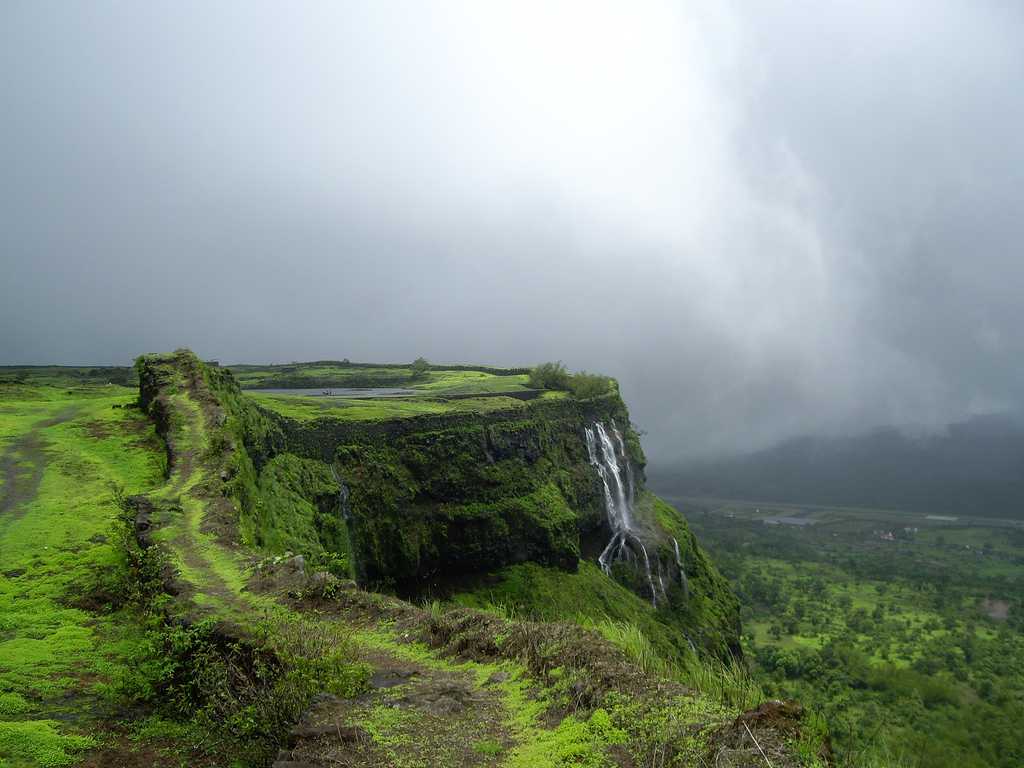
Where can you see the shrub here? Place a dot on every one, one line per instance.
(420, 367)
(586, 385)
(583, 385)
(550, 376)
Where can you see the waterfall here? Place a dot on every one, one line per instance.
(682, 571)
(619, 497)
(346, 513)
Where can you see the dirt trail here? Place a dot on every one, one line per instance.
(413, 715)
(21, 484)
(180, 492)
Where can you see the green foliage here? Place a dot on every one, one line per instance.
(245, 694)
(889, 644)
(583, 385)
(488, 747)
(550, 376)
(419, 368)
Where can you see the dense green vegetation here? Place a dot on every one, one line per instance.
(175, 590)
(906, 632)
(555, 376)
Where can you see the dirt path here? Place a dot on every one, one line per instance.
(186, 476)
(21, 483)
(414, 715)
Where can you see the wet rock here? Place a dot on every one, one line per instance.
(331, 730)
(441, 697)
(391, 678)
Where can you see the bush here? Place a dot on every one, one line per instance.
(550, 376)
(420, 367)
(583, 385)
(586, 385)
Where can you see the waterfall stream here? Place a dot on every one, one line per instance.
(682, 571)
(342, 495)
(607, 452)
(619, 497)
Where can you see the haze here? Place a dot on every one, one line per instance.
(763, 218)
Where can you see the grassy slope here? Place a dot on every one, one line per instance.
(57, 660)
(587, 597)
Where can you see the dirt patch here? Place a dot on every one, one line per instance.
(762, 736)
(419, 716)
(21, 483)
(996, 609)
(122, 752)
(98, 430)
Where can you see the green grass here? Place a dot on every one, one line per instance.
(470, 382)
(55, 657)
(360, 409)
(588, 597)
(435, 381)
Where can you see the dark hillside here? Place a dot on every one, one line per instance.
(975, 468)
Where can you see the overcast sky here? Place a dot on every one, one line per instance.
(764, 218)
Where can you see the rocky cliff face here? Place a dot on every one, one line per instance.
(420, 505)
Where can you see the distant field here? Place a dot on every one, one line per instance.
(68, 375)
(362, 409)
(436, 380)
(431, 392)
(379, 409)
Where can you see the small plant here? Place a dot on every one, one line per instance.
(488, 747)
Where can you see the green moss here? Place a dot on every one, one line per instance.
(296, 508)
(58, 560)
(488, 747)
(573, 742)
(39, 743)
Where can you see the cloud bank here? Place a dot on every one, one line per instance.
(763, 218)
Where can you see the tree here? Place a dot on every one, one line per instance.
(420, 366)
(550, 376)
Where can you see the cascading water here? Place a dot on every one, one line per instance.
(682, 571)
(619, 496)
(342, 495)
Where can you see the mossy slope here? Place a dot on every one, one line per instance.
(554, 695)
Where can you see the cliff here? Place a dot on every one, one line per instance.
(516, 502)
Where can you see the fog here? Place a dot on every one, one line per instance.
(763, 218)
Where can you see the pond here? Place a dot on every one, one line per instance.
(346, 392)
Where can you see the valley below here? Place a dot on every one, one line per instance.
(905, 629)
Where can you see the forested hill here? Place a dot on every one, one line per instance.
(974, 467)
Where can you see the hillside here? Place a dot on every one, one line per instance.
(214, 578)
(970, 468)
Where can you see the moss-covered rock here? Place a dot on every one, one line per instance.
(425, 504)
